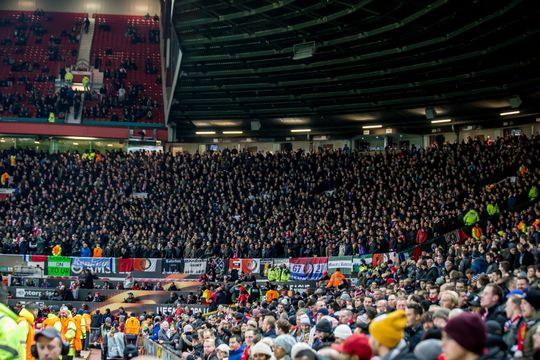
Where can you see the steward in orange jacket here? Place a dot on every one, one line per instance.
(132, 329)
(80, 332)
(336, 279)
(26, 324)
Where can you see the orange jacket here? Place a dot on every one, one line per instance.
(28, 317)
(49, 322)
(98, 252)
(87, 320)
(336, 279)
(132, 326)
(271, 295)
(78, 332)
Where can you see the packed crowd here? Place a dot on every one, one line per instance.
(259, 205)
(472, 299)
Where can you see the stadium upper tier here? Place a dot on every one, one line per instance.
(258, 205)
(36, 48)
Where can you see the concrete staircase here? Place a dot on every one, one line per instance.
(86, 43)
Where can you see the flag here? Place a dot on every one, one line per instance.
(124, 265)
(308, 268)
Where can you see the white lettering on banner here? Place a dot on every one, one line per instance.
(32, 294)
(96, 265)
(172, 309)
(344, 264)
(194, 267)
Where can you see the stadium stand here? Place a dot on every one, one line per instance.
(255, 205)
(126, 49)
(35, 46)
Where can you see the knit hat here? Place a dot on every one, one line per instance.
(469, 331)
(324, 326)
(304, 320)
(345, 297)
(342, 332)
(388, 330)
(356, 344)
(532, 296)
(323, 311)
(188, 328)
(261, 348)
(286, 342)
(429, 349)
(299, 347)
(514, 292)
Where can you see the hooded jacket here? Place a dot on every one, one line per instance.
(26, 329)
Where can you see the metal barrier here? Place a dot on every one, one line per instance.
(154, 349)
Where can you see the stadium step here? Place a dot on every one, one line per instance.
(86, 43)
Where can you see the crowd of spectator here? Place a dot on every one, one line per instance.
(259, 205)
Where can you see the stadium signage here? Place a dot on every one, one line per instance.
(23, 293)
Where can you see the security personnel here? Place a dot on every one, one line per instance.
(69, 77)
(533, 193)
(477, 232)
(26, 328)
(271, 294)
(98, 251)
(52, 321)
(273, 273)
(68, 331)
(86, 83)
(87, 322)
(492, 209)
(10, 340)
(133, 327)
(80, 333)
(471, 217)
(52, 117)
(284, 273)
(336, 279)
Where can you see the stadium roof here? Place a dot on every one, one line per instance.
(334, 65)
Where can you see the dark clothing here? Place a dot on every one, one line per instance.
(497, 314)
(413, 336)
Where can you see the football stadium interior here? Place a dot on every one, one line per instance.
(288, 179)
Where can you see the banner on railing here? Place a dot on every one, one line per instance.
(59, 266)
(344, 263)
(172, 266)
(308, 268)
(98, 266)
(194, 266)
(245, 266)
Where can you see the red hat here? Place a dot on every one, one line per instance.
(356, 344)
(469, 331)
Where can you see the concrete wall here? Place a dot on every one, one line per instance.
(121, 7)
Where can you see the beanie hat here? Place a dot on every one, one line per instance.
(532, 296)
(188, 328)
(261, 348)
(304, 320)
(324, 326)
(469, 331)
(389, 329)
(356, 344)
(429, 349)
(286, 342)
(342, 332)
(323, 311)
(299, 347)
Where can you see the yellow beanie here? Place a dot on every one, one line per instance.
(389, 330)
